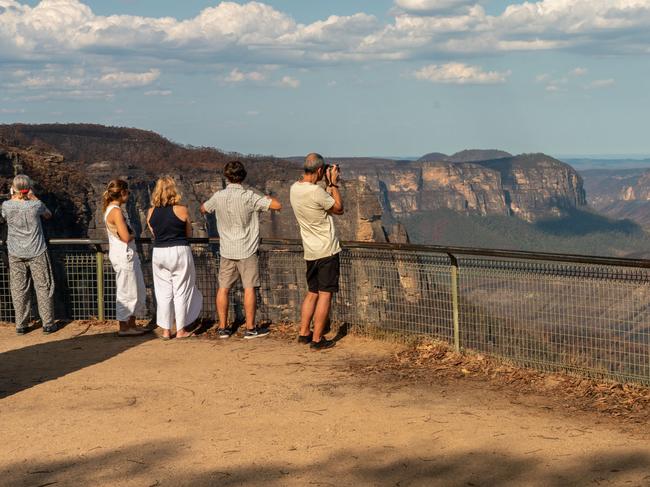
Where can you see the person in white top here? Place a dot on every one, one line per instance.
(314, 207)
(130, 288)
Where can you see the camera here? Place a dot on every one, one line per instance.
(328, 168)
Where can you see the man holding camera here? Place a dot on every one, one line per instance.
(314, 207)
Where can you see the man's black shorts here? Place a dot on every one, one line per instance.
(323, 274)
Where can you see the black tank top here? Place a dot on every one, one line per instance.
(168, 229)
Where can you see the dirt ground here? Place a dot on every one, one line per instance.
(85, 408)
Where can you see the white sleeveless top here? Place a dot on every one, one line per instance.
(118, 250)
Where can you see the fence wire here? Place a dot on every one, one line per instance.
(591, 319)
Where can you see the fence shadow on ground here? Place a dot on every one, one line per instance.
(31, 365)
(149, 464)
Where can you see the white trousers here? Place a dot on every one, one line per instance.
(174, 279)
(130, 289)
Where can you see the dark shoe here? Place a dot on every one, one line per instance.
(256, 333)
(22, 330)
(224, 333)
(305, 339)
(322, 345)
(50, 329)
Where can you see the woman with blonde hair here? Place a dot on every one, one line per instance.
(178, 298)
(28, 257)
(130, 293)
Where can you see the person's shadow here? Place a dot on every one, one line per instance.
(29, 366)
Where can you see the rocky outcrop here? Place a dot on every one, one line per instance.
(73, 163)
(537, 186)
(527, 186)
(623, 193)
(468, 155)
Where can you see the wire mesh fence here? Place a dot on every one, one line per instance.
(591, 319)
(586, 318)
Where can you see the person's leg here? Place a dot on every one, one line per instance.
(250, 307)
(188, 300)
(19, 283)
(307, 312)
(321, 314)
(125, 296)
(250, 276)
(328, 284)
(311, 299)
(222, 307)
(162, 283)
(140, 309)
(228, 275)
(41, 270)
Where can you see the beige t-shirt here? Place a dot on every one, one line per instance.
(310, 203)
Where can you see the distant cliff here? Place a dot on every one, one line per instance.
(73, 163)
(468, 155)
(529, 186)
(620, 193)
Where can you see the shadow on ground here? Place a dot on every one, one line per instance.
(149, 464)
(29, 366)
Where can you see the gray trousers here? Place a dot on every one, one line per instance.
(22, 272)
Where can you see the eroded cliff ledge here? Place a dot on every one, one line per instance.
(72, 164)
(528, 186)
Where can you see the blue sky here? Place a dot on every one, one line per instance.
(367, 77)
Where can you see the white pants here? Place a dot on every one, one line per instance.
(174, 279)
(130, 289)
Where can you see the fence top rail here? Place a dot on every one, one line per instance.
(451, 251)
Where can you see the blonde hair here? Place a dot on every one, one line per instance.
(165, 193)
(22, 185)
(114, 191)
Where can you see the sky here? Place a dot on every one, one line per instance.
(396, 78)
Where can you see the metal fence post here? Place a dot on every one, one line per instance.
(454, 301)
(100, 283)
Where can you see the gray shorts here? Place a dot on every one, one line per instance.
(247, 269)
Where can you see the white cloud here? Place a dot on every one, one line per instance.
(158, 93)
(255, 34)
(554, 88)
(11, 111)
(434, 6)
(602, 83)
(579, 71)
(237, 76)
(289, 82)
(122, 79)
(460, 74)
(252, 113)
(64, 82)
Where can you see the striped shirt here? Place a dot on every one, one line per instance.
(237, 211)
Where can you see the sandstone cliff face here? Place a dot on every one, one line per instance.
(72, 166)
(620, 193)
(73, 163)
(537, 186)
(529, 187)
